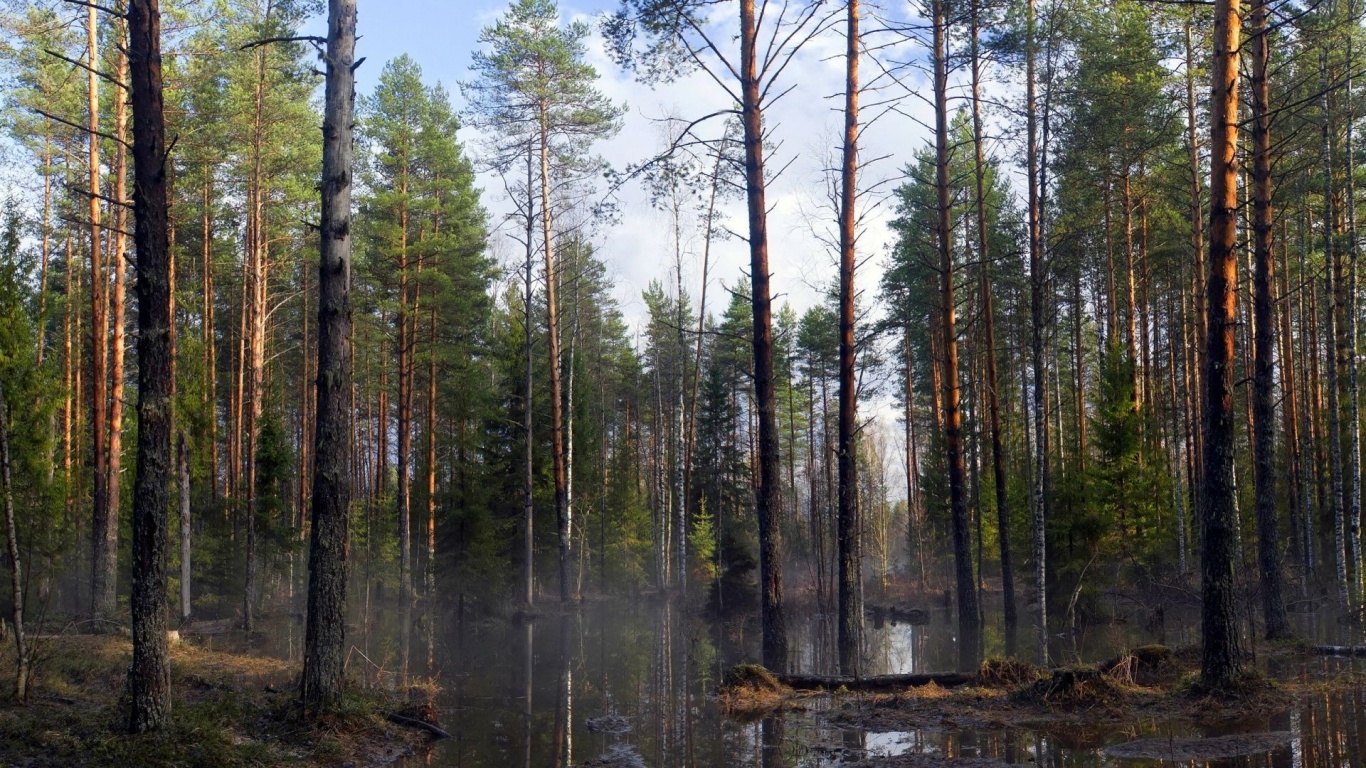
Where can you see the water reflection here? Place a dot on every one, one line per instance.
(629, 684)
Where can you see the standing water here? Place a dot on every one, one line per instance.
(627, 684)
(621, 684)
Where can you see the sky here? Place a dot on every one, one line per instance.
(441, 35)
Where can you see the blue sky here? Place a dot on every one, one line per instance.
(441, 34)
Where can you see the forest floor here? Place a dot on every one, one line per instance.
(228, 710)
(1082, 705)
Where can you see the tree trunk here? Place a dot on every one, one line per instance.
(1333, 315)
(184, 466)
(21, 650)
(562, 519)
(327, 564)
(850, 531)
(149, 676)
(207, 329)
(1351, 340)
(969, 622)
(104, 531)
(998, 467)
(257, 285)
(1221, 660)
(118, 314)
(1037, 283)
(1264, 374)
(528, 488)
(430, 578)
(404, 343)
(766, 501)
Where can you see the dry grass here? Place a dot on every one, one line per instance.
(1007, 673)
(748, 692)
(229, 710)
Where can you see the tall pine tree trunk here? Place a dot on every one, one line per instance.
(104, 531)
(1264, 374)
(149, 675)
(118, 313)
(557, 448)
(969, 621)
(998, 466)
(850, 532)
(774, 625)
(1221, 660)
(1039, 484)
(325, 632)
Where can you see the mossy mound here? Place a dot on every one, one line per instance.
(748, 692)
(1071, 687)
(1006, 673)
(1146, 665)
(750, 676)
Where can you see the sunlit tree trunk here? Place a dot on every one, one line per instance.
(1221, 660)
(118, 314)
(105, 522)
(969, 621)
(563, 519)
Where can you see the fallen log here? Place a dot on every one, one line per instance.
(412, 722)
(1339, 650)
(875, 683)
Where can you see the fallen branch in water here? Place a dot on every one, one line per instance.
(413, 722)
(764, 678)
(1339, 650)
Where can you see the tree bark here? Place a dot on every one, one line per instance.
(104, 531)
(1333, 315)
(1221, 660)
(766, 501)
(183, 455)
(1037, 282)
(528, 478)
(21, 649)
(557, 448)
(969, 622)
(850, 533)
(998, 467)
(118, 313)
(327, 565)
(1264, 374)
(149, 676)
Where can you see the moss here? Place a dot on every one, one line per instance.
(1071, 687)
(753, 676)
(228, 710)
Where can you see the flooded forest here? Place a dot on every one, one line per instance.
(681, 383)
